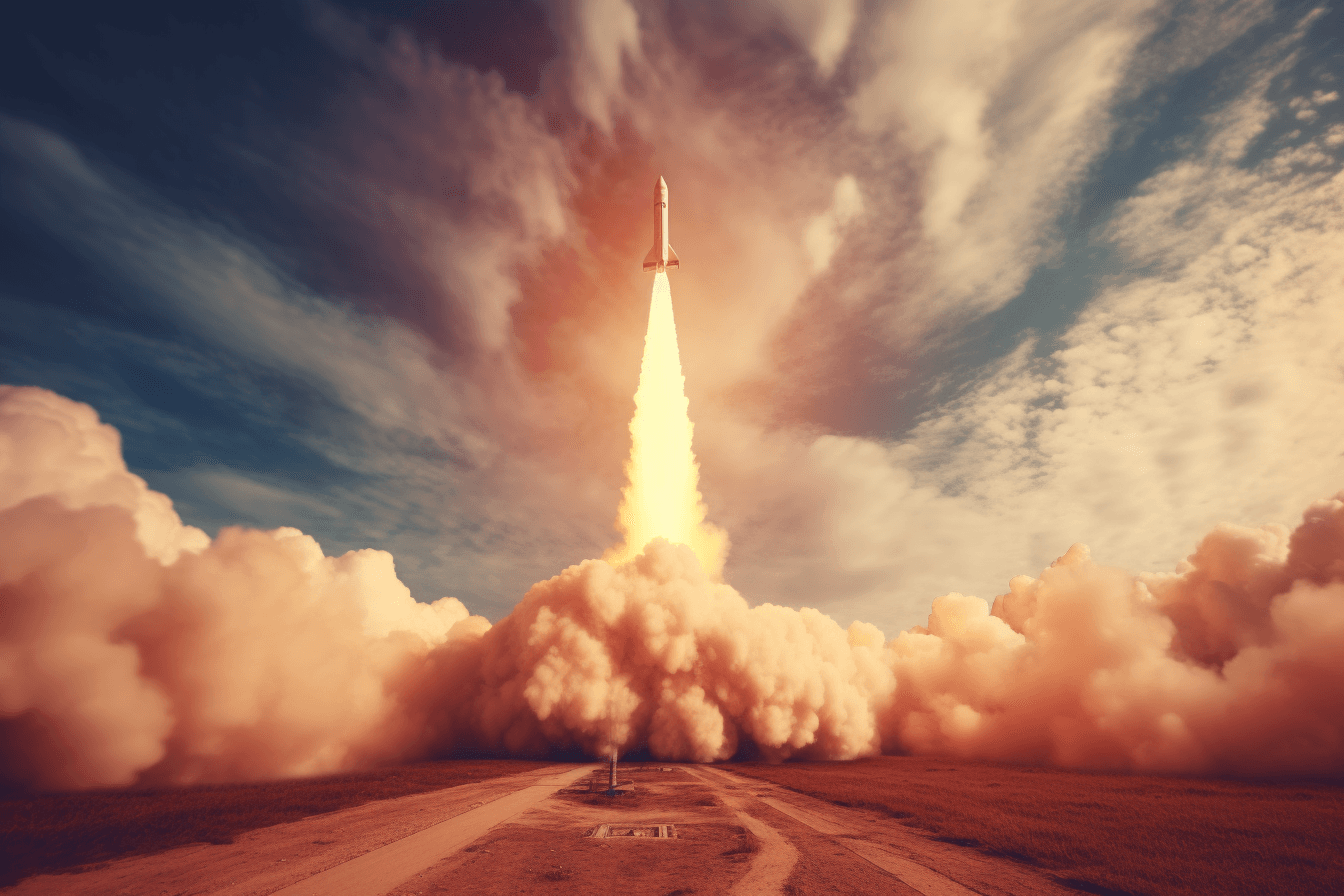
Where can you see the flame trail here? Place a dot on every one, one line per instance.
(662, 498)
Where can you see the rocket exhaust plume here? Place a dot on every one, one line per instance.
(662, 497)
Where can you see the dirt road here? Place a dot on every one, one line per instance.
(366, 850)
(527, 834)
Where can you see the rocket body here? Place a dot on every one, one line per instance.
(660, 257)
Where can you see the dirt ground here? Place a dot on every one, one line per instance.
(735, 835)
(731, 840)
(263, 861)
(59, 831)
(547, 850)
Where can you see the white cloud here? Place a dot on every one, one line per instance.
(823, 26)
(822, 236)
(1004, 107)
(602, 34)
(1203, 390)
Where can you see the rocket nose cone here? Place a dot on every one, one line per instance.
(661, 185)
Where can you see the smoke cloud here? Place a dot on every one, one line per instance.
(136, 649)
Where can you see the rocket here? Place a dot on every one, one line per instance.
(660, 257)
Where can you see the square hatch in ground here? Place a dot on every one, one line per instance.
(656, 831)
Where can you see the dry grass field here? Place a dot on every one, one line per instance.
(49, 832)
(1096, 832)
(1103, 833)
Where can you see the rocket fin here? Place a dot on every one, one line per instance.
(672, 260)
(651, 260)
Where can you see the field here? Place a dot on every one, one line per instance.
(49, 832)
(1103, 833)
(1094, 832)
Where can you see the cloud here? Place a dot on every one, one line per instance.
(374, 395)
(447, 171)
(244, 496)
(823, 27)
(1003, 127)
(822, 236)
(601, 35)
(1209, 363)
(212, 284)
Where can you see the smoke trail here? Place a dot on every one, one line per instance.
(662, 497)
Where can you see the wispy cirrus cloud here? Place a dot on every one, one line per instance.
(1192, 392)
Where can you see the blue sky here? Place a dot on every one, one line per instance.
(961, 285)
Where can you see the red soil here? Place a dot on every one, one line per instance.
(1099, 832)
(547, 850)
(514, 858)
(50, 832)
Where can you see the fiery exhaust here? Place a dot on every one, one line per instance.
(662, 497)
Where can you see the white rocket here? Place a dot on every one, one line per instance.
(660, 257)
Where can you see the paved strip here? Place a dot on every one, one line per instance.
(387, 867)
(773, 863)
(811, 819)
(921, 877)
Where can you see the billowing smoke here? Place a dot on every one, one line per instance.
(132, 645)
(135, 648)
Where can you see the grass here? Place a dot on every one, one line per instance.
(60, 831)
(1099, 832)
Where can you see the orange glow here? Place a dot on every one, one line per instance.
(662, 497)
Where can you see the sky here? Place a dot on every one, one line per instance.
(962, 284)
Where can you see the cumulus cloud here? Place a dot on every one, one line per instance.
(257, 656)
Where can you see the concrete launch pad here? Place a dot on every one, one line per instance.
(650, 831)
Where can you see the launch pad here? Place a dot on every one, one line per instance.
(648, 831)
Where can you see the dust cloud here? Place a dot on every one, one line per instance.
(134, 648)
